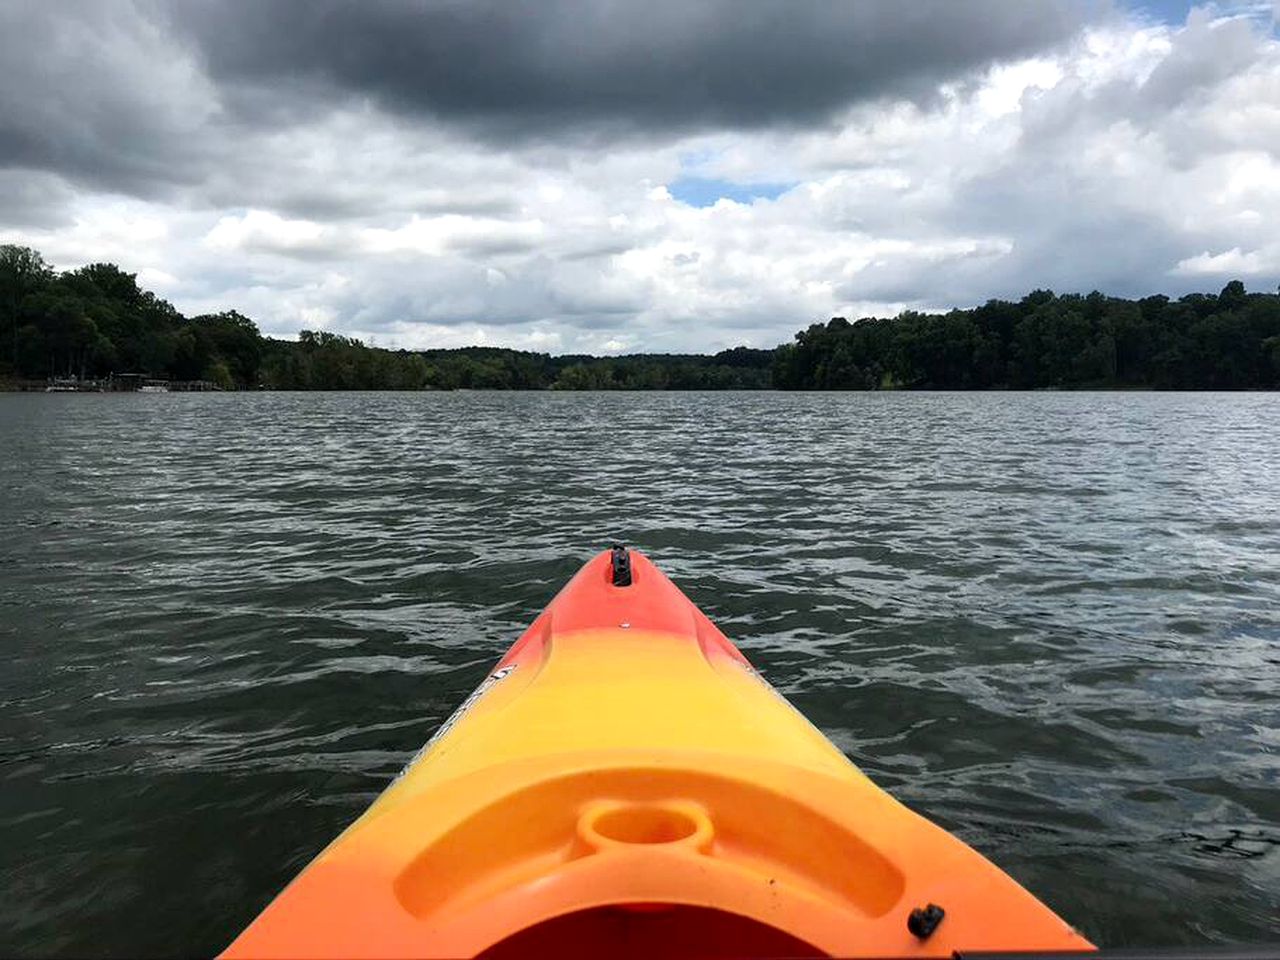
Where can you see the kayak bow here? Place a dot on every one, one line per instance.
(623, 783)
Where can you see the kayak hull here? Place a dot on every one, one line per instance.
(624, 783)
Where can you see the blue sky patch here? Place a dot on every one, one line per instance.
(705, 191)
(1170, 11)
(1175, 11)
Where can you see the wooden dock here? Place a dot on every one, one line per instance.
(119, 384)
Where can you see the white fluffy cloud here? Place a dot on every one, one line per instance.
(1132, 156)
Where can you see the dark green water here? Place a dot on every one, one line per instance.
(1050, 622)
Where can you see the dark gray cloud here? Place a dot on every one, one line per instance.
(33, 198)
(157, 99)
(359, 198)
(100, 94)
(616, 65)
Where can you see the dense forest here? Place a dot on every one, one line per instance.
(95, 322)
(1198, 342)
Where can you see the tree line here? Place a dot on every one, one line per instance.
(1228, 341)
(327, 361)
(96, 321)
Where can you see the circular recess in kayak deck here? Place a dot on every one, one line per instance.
(605, 825)
(644, 825)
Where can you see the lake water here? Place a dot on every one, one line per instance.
(1049, 622)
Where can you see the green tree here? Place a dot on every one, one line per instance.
(23, 272)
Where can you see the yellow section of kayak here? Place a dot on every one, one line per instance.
(624, 784)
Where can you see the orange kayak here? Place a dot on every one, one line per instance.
(624, 783)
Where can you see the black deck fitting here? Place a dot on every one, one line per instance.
(924, 920)
(620, 564)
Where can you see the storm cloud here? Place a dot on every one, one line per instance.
(660, 67)
(604, 176)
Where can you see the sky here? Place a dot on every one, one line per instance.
(607, 176)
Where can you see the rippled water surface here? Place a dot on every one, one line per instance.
(1050, 622)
